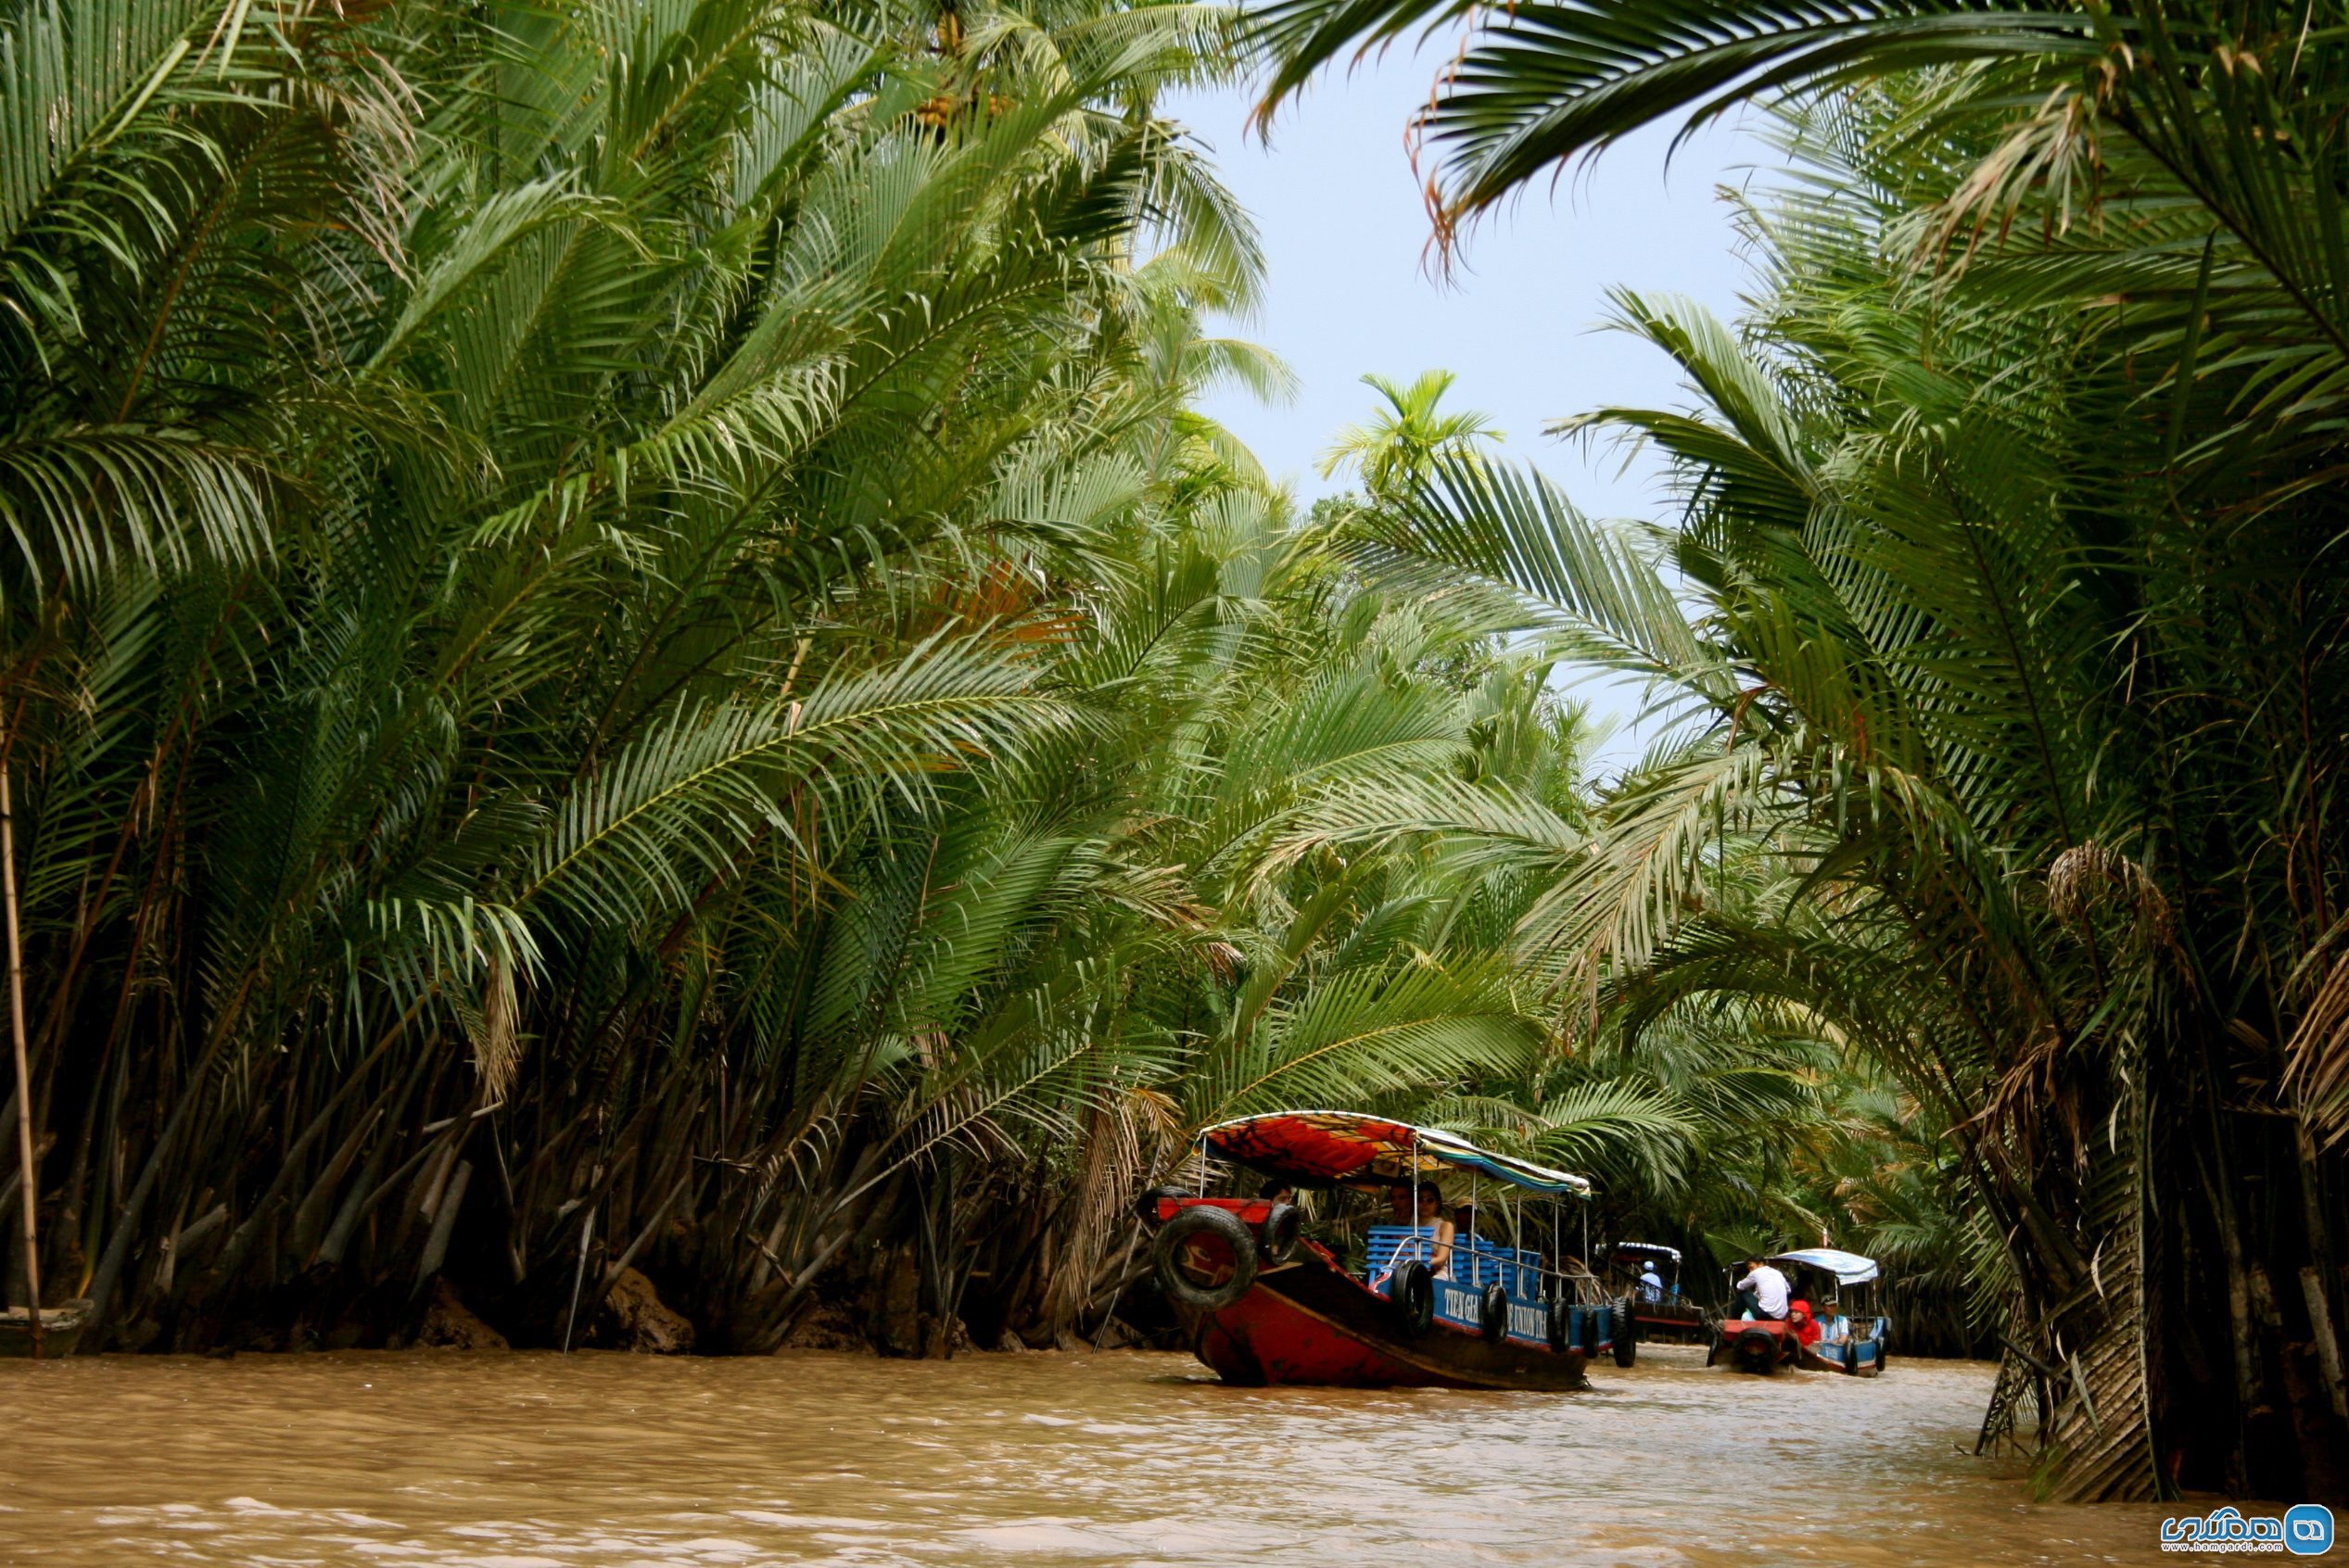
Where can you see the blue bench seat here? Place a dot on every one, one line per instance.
(1476, 1263)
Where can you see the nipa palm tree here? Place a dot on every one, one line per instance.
(2003, 507)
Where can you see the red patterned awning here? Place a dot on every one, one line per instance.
(1348, 1146)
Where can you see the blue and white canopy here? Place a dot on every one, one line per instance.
(1849, 1268)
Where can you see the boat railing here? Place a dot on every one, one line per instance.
(1475, 1262)
(1392, 1246)
(1516, 1271)
(1583, 1287)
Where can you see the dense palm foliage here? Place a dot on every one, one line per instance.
(622, 651)
(524, 517)
(1725, 1124)
(2003, 620)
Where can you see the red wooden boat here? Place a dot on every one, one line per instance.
(1261, 1305)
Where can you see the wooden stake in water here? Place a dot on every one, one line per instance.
(28, 1198)
(587, 1230)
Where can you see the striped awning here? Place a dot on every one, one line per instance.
(1325, 1147)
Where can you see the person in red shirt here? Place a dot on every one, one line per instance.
(1805, 1327)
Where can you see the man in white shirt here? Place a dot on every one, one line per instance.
(1767, 1288)
(1651, 1284)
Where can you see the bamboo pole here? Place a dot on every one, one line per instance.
(28, 1199)
(587, 1232)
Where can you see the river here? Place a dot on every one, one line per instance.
(535, 1460)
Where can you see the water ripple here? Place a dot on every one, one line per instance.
(616, 1461)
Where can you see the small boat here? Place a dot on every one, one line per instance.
(61, 1329)
(1856, 1345)
(1669, 1318)
(1262, 1303)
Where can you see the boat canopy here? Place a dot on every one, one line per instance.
(1648, 1249)
(1849, 1268)
(1332, 1146)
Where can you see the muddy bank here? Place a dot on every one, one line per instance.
(630, 1315)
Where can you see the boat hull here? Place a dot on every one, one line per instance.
(60, 1330)
(1305, 1322)
(1669, 1322)
(1858, 1358)
(1740, 1344)
(1758, 1346)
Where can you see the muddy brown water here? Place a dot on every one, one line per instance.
(533, 1461)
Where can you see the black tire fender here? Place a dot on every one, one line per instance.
(1714, 1343)
(1590, 1332)
(1146, 1205)
(1561, 1325)
(1851, 1358)
(1494, 1314)
(1203, 1220)
(1756, 1352)
(1413, 1292)
(1279, 1232)
(1626, 1335)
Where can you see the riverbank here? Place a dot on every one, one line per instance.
(528, 1460)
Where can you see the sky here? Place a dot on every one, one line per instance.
(1345, 236)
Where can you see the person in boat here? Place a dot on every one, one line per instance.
(1279, 1191)
(1464, 1228)
(1765, 1290)
(1799, 1319)
(1437, 1249)
(1651, 1285)
(1833, 1327)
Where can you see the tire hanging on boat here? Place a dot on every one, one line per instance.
(1851, 1358)
(1413, 1293)
(1756, 1352)
(1561, 1325)
(1626, 1335)
(1279, 1232)
(1200, 1222)
(1493, 1314)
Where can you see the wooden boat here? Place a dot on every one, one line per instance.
(61, 1329)
(1817, 1274)
(1853, 1358)
(1668, 1317)
(1261, 1305)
